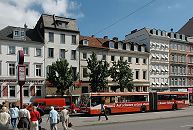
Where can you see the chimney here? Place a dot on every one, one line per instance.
(105, 37)
(25, 30)
(115, 38)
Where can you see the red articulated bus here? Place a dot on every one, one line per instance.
(125, 102)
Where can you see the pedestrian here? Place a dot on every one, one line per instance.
(103, 112)
(41, 111)
(65, 117)
(4, 117)
(35, 116)
(14, 113)
(73, 108)
(24, 118)
(53, 118)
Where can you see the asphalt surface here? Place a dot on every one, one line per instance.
(83, 121)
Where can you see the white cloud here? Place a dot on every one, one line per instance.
(19, 12)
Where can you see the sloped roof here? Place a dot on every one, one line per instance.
(94, 42)
(50, 21)
(187, 29)
(31, 35)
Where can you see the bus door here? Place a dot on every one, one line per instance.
(153, 101)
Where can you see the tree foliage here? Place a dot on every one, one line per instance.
(121, 73)
(61, 76)
(98, 73)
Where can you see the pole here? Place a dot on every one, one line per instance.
(21, 95)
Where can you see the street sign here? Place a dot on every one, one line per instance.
(21, 73)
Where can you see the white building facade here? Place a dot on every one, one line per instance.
(13, 39)
(61, 40)
(112, 51)
(157, 43)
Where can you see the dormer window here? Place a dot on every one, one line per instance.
(22, 33)
(16, 33)
(111, 45)
(85, 42)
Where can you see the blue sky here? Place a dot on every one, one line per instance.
(95, 15)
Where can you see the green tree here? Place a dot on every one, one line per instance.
(98, 73)
(121, 73)
(61, 76)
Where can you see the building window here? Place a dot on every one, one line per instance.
(85, 74)
(137, 74)
(176, 81)
(112, 58)
(51, 37)
(129, 59)
(12, 91)
(137, 60)
(73, 39)
(84, 56)
(144, 61)
(111, 45)
(22, 33)
(38, 91)
(50, 52)
(26, 50)
(73, 54)
(62, 53)
(38, 70)
(16, 33)
(104, 57)
(38, 52)
(27, 69)
(11, 49)
(144, 74)
(121, 58)
(48, 69)
(74, 73)
(26, 91)
(62, 38)
(12, 69)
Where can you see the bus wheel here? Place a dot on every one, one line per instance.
(174, 107)
(143, 109)
(108, 111)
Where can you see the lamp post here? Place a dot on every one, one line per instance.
(21, 74)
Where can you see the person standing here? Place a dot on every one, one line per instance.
(73, 108)
(24, 118)
(14, 113)
(53, 118)
(65, 118)
(103, 112)
(4, 117)
(35, 116)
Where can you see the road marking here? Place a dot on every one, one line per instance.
(187, 126)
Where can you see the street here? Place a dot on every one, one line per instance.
(181, 123)
(163, 120)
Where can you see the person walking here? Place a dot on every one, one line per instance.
(53, 118)
(35, 116)
(14, 113)
(4, 117)
(103, 112)
(65, 117)
(24, 118)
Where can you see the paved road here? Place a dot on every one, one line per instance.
(79, 122)
(182, 123)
